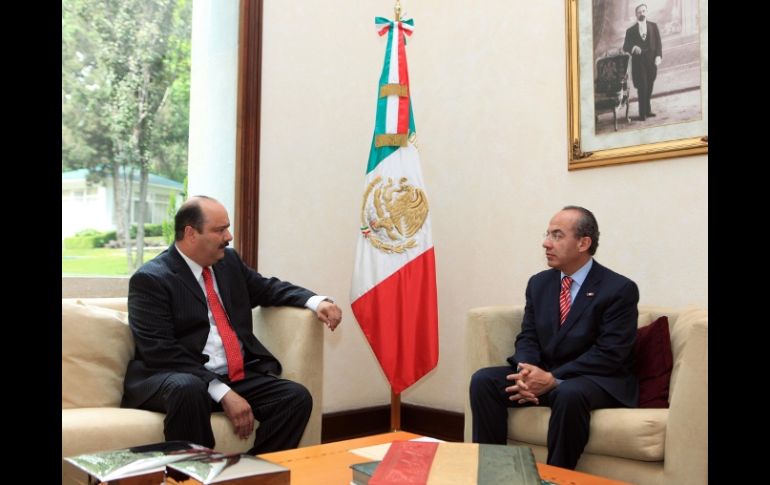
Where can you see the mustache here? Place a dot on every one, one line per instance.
(224, 245)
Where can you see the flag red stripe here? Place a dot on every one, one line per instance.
(399, 317)
(403, 78)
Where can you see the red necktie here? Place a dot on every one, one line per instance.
(564, 299)
(229, 339)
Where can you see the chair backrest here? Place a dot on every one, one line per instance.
(611, 73)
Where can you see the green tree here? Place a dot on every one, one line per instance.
(125, 97)
(168, 222)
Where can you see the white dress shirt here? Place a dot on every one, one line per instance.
(642, 29)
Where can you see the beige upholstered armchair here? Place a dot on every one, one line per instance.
(97, 345)
(641, 446)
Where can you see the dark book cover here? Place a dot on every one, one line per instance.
(362, 472)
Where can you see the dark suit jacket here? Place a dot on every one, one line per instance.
(168, 316)
(597, 339)
(651, 48)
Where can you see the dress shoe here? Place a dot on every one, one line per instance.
(651, 115)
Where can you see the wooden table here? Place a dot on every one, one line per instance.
(329, 463)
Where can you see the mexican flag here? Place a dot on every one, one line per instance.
(393, 292)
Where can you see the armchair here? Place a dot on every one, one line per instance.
(97, 345)
(642, 446)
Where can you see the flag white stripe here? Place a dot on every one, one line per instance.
(373, 265)
(391, 116)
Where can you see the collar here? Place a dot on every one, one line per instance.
(579, 276)
(197, 270)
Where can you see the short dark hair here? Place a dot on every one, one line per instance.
(640, 6)
(189, 214)
(586, 226)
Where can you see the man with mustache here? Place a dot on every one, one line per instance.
(189, 310)
(643, 43)
(574, 352)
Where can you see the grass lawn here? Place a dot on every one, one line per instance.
(99, 261)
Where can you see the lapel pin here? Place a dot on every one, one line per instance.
(590, 293)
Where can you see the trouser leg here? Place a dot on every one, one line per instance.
(185, 400)
(571, 404)
(282, 408)
(490, 403)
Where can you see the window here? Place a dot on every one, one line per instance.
(121, 133)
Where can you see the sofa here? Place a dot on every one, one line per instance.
(97, 345)
(644, 446)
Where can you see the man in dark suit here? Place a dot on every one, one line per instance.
(189, 310)
(643, 43)
(574, 352)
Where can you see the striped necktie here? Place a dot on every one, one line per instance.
(564, 299)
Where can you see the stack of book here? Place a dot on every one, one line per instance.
(177, 463)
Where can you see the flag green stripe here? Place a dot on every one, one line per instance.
(376, 155)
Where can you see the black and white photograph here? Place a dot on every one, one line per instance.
(647, 63)
(637, 80)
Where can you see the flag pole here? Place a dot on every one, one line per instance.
(395, 410)
(395, 398)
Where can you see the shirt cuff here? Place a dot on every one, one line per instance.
(217, 389)
(558, 381)
(313, 302)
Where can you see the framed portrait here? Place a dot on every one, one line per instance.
(637, 80)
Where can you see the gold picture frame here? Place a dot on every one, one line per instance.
(592, 142)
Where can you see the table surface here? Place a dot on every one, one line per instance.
(330, 463)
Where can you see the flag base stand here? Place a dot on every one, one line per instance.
(395, 411)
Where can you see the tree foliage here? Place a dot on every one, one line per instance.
(125, 96)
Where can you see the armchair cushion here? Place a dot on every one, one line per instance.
(654, 363)
(96, 347)
(621, 432)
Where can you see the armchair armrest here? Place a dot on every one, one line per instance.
(490, 334)
(295, 337)
(686, 452)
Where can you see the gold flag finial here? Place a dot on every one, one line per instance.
(398, 10)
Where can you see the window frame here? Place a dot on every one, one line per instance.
(248, 125)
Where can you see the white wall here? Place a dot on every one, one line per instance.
(488, 91)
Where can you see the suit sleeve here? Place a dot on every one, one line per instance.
(272, 291)
(527, 343)
(658, 43)
(628, 44)
(152, 324)
(615, 342)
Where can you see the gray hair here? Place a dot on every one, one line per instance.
(586, 226)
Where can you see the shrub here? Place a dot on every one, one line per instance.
(87, 232)
(84, 242)
(149, 230)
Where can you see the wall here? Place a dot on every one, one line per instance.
(489, 96)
